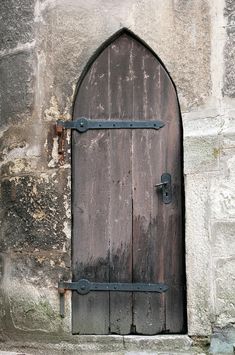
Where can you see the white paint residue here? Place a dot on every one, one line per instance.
(19, 48)
(146, 76)
(100, 107)
(67, 230)
(53, 112)
(55, 156)
(67, 208)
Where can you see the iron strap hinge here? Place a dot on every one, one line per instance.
(84, 286)
(84, 124)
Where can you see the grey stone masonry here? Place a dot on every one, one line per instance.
(229, 49)
(44, 47)
(17, 24)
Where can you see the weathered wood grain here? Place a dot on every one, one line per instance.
(120, 217)
(91, 203)
(148, 166)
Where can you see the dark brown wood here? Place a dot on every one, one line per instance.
(122, 231)
(91, 204)
(148, 166)
(120, 220)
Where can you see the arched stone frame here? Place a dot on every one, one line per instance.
(199, 301)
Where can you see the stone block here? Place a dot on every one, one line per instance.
(205, 122)
(13, 353)
(31, 147)
(32, 309)
(35, 212)
(198, 261)
(16, 23)
(225, 290)
(223, 340)
(228, 134)
(223, 238)
(20, 148)
(86, 345)
(229, 50)
(229, 78)
(38, 268)
(222, 188)
(201, 154)
(17, 87)
(158, 342)
(227, 161)
(29, 297)
(229, 7)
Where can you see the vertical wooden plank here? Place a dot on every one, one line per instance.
(91, 199)
(121, 179)
(174, 263)
(148, 251)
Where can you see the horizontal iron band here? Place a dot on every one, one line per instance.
(84, 286)
(84, 124)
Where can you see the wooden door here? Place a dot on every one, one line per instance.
(122, 230)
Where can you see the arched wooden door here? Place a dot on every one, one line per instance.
(122, 230)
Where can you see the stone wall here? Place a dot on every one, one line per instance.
(44, 48)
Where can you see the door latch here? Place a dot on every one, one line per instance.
(165, 187)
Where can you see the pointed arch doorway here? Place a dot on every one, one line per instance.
(125, 229)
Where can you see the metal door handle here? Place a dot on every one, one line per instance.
(165, 187)
(160, 185)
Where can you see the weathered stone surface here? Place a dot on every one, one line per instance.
(223, 340)
(183, 43)
(222, 188)
(207, 122)
(225, 290)
(76, 31)
(16, 23)
(201, 153)
(158, 342)
(202, 142)
(198, 264)
(28, 308)
(28, 292)
(228, 133)
(42, 269)
(20, 148)
(229, 50)
(105, 345)
(223, 241)
(229, 7)
(73, 345)
(35, 211)
(17, 87)
(31, 147)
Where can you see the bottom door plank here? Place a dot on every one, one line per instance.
(89, 313)
(90, 235)
(120, 221)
